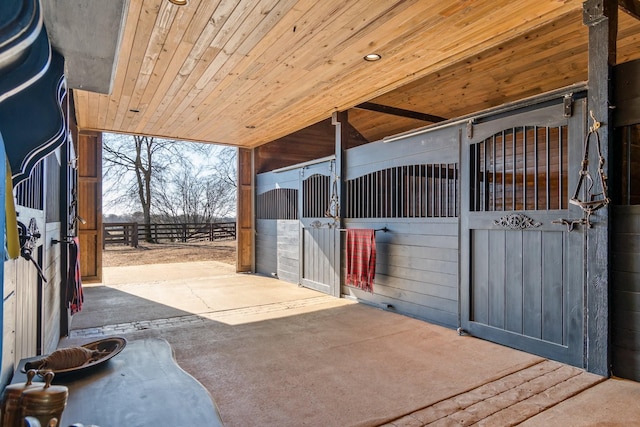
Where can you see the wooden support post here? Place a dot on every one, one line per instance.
(90, 204)
(245, 223)
(134, 235)
(601, 16)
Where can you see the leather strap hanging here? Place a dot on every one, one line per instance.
(333, 210)
(593, 202)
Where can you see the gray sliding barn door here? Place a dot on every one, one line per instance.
(320, 237)
(521, 269)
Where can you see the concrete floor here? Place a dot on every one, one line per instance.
(275, 354)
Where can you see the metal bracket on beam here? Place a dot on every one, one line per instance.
(470, 128)
(567, 105)
(334, 118)
(594, 12)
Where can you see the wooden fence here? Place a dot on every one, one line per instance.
(130, 233)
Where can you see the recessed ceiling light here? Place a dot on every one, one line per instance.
(372, 57)
(178, 2)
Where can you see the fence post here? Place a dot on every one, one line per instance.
(184, 232)
(134, 235)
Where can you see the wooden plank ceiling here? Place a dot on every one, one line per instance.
(246, 72)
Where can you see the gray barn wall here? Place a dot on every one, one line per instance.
(416, 268)
(277, 240)
(417, 259)
(625, 240)
(626, 292)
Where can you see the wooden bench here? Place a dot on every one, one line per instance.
(140, 387)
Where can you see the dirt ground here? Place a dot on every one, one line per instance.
(162, 253)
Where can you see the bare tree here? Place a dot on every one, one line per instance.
(203, 193)
(165, 178)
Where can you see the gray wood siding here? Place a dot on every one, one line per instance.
(277, 240)
(626, 292)
(266, 246)
(288, 245)
(321, 253)
(417, 259)
(51, 291)
(416, 268)
(277, 248)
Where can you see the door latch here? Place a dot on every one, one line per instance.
(572, 223)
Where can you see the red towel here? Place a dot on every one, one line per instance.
(75, 297)
(361, 258)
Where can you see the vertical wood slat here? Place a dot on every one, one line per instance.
(561, 170)
(548, 166)
(552, 287)
(535, 169)
(496, 284)
(514, 185)
(524, 167)
(480, 269)
(514, 278)
(532, 288)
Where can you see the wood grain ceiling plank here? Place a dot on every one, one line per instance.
(198, 59)
(81, 102)
(155, 46)
(253, 82)
(126, 45)
(477, 42)
(272, 44)
(275, 79)
(352, 27)
(226, 22)
(337, 89)
(176, 49)
(259, 107)
(144, 29)
(234, 86)
(102, 110)
(518, 50)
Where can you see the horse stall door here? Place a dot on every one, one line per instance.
(320, 233)
(521, 254)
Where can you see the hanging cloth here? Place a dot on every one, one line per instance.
(75, 297)
(11, 225)
(361, 258)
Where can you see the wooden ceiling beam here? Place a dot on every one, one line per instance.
(632, 7)
(400, 112)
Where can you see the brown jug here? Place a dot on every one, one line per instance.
(10, 416)
(44, 403)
